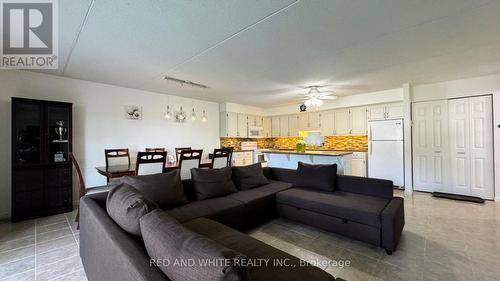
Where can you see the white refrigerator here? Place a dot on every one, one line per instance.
(386, 150)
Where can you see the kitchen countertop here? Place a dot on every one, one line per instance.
(308, 152)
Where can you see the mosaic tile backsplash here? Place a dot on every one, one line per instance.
(351, 143)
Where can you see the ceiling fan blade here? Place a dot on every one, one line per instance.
(328, 98)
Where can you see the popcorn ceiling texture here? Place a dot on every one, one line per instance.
(351, 143)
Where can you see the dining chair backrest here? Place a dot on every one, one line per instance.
(188, 160)
(115, 157)
(178, 152)
(155, 149)
(81, 183)
(149, 163)
(221, 158)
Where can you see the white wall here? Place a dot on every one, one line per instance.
(99, 123)
(464, 88)
(393, 95)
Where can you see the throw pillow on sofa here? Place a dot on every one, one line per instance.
(322, 177)
(247, 177)
(168, 241)
(209, 183)
(126, 205)
(165, 189)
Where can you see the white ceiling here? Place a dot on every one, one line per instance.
(263, 52)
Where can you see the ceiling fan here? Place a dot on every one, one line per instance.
(315, 97)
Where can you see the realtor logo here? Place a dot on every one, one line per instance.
(29, 34)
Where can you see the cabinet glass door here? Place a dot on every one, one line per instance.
(27, 131)
(58, 125)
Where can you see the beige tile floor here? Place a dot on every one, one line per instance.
(442, 240)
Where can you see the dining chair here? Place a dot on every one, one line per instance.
(221, 158)
(188, 160)
(150, 163)
(156, 149)
(178, 152)
(117, 157)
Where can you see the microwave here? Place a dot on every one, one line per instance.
(255, 132)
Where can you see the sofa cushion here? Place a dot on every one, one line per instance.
(255, 249)
(165, 189)
(247, 177)
(350, 206)
(221, 209)
(126, 205)
(210, 183)
(322, 177)
(167, 240)
(278, 186)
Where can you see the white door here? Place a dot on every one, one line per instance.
(341, 121)
(267, 126)
(430, 146)
(394, 110)
(471, 145)
(284, 130)
(293, 125)
(242, 126)
(376, 112)
(358, 121)
(326, 122)
(232, 124)
(275, 129)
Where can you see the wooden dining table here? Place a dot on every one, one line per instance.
(119, 171)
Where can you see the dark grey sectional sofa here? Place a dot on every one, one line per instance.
(360, 208)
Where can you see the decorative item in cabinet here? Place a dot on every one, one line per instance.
(41, 170)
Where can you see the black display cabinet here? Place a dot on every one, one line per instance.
(41, 168)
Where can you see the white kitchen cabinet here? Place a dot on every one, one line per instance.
(267, 126)
(341, 121)
(314, 120)
(357, 121)
(385, 111)
(259, 121)
(284, 130)
(303, 122)
(229, 124)
(252, 120)
(242, 126)
(358, 164)
(327, 123)
(394, 110)
(275, 127)
(293, 125)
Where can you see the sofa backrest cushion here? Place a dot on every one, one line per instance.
(367, 186)
(168, 241)
(247, 177)
(165, 189)
(322, 177)
(126, 205)
(209, 183)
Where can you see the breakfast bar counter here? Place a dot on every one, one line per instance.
(289, 159)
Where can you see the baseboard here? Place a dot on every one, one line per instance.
(497, 199)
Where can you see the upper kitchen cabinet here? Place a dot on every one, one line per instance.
(267, 126)
(275, 126)
(341, 121)
(385, 111)
(242, 126)
(309, 121)
(252, 121)
(229, 124)
(293, 125)
(284, 130)
(358, 121)
(259, 121)
(327, 123)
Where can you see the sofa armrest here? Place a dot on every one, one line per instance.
(366, 186)
(393, 221)
(108, 252)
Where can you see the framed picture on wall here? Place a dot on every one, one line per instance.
(133, 112)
